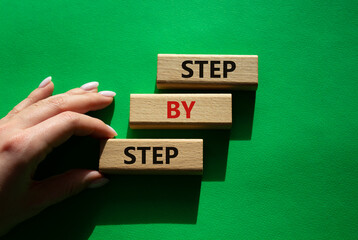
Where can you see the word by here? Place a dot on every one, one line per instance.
(173, 111)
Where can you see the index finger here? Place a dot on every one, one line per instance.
(47, 108)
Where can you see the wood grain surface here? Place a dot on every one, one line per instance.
(194, 111)
(152, 156)
(185, 71)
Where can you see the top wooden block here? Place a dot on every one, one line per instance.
(182, 71)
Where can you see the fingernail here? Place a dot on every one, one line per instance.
(45, 82)
(89, 86)
(112, 130)
(98, 183)
(107, 93)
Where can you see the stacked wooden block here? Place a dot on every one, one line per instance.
(180, 111)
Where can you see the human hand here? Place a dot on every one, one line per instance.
(29, 132)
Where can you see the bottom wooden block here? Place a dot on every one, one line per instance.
(152, 156)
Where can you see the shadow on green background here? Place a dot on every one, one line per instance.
(243, 107)
(216, 142)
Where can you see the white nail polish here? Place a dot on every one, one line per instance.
(112, 129)
(98, 183)
(107, 93)
(89, 86)
(45, 82)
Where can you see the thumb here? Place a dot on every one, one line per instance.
(57, 188)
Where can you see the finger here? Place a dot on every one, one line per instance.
(54, 105)
(56, 130)
(91, 86)
(87, 87)
(44, 90)
(57, 188)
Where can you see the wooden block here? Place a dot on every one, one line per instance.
(181, 71)
(152, 156)
(180, 111)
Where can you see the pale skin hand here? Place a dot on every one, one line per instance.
(29, 132)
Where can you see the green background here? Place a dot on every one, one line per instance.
(288, 169)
